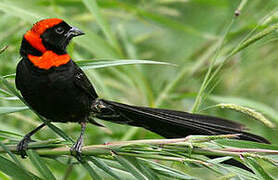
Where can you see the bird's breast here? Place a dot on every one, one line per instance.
(54, 94)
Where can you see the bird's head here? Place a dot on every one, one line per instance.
(48, 37)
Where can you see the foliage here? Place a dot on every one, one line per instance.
(223, 60)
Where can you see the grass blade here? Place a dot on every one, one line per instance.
(57, 130)
(130, 167)
(102, 63)
(7, 110)
(14, 98)
(13, 170)
(4, 92)
(12, 156)
(186, 72)
(91, 171)
(10, 134)
(40, 165)
(144, 168)
(255, 38)
(163, 21)
(242, 174)
(167, 171)
(88, 64)
(102, 165)
(210, 75)
(93, 8)
(245, 144)
(19, 12)
(3, 49)
(207, 79)
(11, 88)
(4, 176)
(259, 171)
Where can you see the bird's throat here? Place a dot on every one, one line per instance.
(48, 60)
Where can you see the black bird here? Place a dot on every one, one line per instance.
(55, 87)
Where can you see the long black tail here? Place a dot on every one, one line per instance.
(170, 123)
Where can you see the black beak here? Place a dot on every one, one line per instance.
(74, 31)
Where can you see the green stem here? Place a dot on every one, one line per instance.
(159, 148)
(207, 78)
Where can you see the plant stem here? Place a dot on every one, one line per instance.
(163, 149)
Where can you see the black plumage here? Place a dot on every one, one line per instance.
(59, 90)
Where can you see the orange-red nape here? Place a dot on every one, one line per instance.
(48, 59)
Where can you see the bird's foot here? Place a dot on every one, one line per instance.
(76, 149)
(22, 146)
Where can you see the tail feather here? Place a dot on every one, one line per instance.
(172, 124)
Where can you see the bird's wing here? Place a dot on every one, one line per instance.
(81, 81)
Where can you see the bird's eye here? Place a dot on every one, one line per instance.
(59, 30)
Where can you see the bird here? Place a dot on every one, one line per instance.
(52, 84)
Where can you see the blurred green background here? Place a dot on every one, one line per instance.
(183, 32)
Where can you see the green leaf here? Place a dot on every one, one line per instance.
(19, 12)
(95, 44)
(219, 160)
(11, 88)
(210, 74)
(130, 167)
(57, 130)
(4, 176)
(9, 76)
(12, 156)
(169, 23)
(120, 170)
(241, 174)
(3, 49)
(143, 167)
(13, 98)
(245, 144)
(94, 9)
(11, 134)
(91, 171)
(40, 165)
(259, 171)
(5, 92)
(163, 21)
(7, 110)
(13, 170)
(167, 171)
(255, 38)
(102, 165)
(101, 63)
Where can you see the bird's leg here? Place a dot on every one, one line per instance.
(23, 144)
(76, 149)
